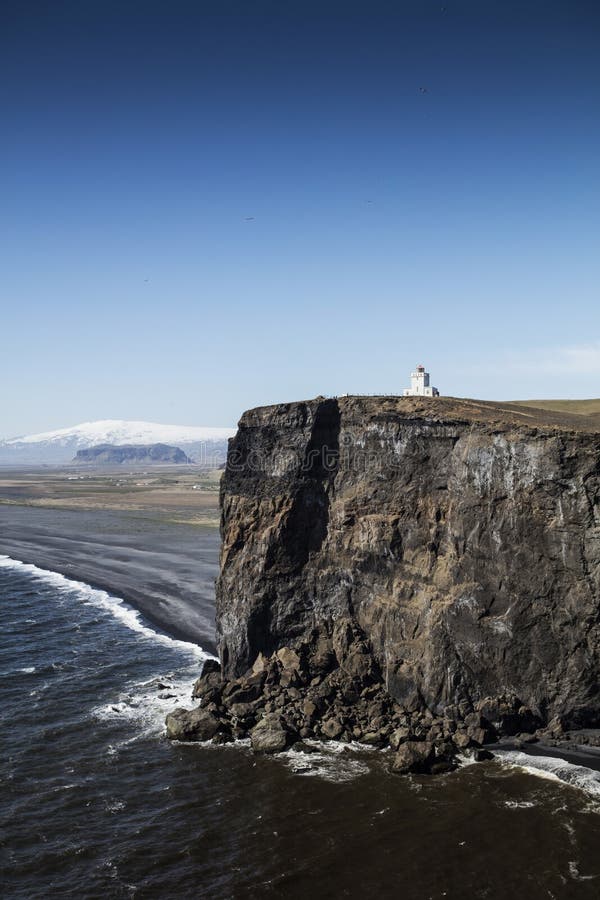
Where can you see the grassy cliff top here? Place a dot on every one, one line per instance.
(572, 407)
(548, 415)
(561, 415)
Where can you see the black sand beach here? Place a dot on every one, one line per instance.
(165, 570)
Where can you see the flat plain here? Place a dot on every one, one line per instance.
(184, 494)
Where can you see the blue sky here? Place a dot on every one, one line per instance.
(212, 206)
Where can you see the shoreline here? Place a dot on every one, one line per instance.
(164, 571)
(570, 752)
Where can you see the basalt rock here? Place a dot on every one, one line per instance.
(445, 552)
(506, 716)
(210, 666)
(414, 756)
(348, 703)
(424, 758)
(272, 735)
(193, 725)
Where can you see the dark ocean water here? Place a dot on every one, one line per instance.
(96, 803)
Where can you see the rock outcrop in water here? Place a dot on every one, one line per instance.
(433, 566)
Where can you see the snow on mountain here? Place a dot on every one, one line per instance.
(60, 446)
(121, 431)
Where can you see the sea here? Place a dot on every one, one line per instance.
(97, 803)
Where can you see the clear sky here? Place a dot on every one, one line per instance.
(212, 206)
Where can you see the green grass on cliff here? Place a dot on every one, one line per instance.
(574, 407)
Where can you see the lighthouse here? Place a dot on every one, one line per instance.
(419, 385)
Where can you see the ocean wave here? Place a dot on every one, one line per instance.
(145, 704)
(330, 761)
(90, 596)
(554, 769)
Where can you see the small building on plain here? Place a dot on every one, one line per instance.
(419, 385)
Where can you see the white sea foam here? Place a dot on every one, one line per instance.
(114, 805)
(576, 875)
(553, 769)
(144, 704)
(464, 760)
(100, 599)
(331, 761)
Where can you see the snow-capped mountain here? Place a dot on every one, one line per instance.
(204, 445)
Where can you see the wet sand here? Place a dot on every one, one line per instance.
(165, 570)
(571, 751)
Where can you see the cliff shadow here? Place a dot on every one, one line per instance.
(307, 522)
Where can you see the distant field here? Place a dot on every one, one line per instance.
(575, 407)
(181, 494)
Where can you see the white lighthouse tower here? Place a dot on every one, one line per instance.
(419, 385)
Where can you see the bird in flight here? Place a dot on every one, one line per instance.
(424, 90)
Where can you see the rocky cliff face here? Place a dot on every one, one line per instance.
(461, 539)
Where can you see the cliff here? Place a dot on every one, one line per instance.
(459, 540)
(136, 454)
